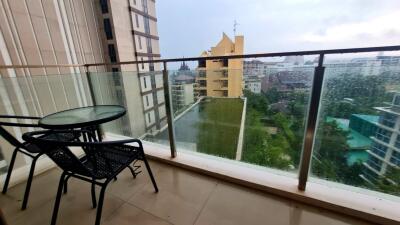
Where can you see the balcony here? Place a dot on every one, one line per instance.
(243, 159)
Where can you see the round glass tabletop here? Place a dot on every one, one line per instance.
(82, 117)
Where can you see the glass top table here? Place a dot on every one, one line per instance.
(82, 117)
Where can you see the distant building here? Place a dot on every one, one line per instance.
(253, 84)
(295, 59)
(384, 154)
(253, 68)
(182, 88)
(221, 78)
(368, 66)
(287, 80)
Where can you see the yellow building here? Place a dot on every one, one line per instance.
(222, 78)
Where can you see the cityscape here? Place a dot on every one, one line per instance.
(360, 149)
(221, 105)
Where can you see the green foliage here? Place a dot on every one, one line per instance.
(260, 147)
(273, 95)
(329, 157)
(257, 102)
(366, 91)
(392, 186)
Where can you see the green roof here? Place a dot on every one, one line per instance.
(369, 118)
(355, 140)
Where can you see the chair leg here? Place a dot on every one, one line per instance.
(66, 183)
(10, 169)
(29, 183)
(150, 173)
(100, 206)
(58, 199)
(94, 204)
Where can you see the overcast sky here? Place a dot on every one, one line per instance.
(187, 27)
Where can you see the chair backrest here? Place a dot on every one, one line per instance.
(9, 137)
(51, 144)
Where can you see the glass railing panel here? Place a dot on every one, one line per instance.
(276, 114)
(359, 124)
(37, 95)
(142, 94)
(255, 118)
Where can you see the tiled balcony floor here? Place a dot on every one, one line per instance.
(184, 198)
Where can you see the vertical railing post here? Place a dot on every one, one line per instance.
(91, 90)
(168, 107)
(311, 125)
(99, 129)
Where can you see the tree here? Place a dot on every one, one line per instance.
(257, 102)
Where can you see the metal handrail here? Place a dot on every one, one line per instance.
(244, 56)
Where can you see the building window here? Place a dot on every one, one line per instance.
(144, 4)
(148, 43)
(202, 73)
(115, 70)
(396, 100)
(142, 64)
(202, 63)
(225, 93)
(145, 82)
(203, 83)
(374, 163)
(395, 159)
(379, 149)
(137, 20)
(146, 23)
(225, 63)
(134, 2)
(140, 42)
(387, 119)
(383, 135)
(147, 100)
(111, 53)
(120, 95)
(104, 6)
(107, 29)
(397, 143)
(116, 78)
(148, 117)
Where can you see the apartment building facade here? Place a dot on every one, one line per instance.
(81, 32)
(222, 78)
(384, 155)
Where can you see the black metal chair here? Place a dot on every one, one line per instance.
(25, 148)
(102, 162)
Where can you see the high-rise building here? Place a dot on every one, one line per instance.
(384, 155)
(222, 78)
(83, 32)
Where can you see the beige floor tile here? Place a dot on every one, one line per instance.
(305, 215)
(231, 204)
(182, 195)
(129, 214)
(126, 185)
(75, 208)
(43, 190)
(184, 198)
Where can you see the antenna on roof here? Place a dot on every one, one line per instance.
(235, 24)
